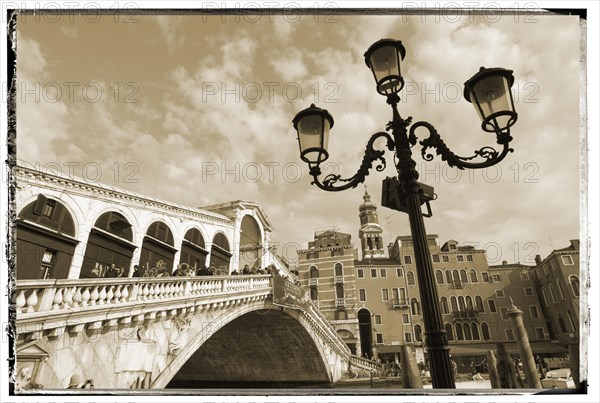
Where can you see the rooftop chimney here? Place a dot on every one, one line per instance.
(575, 244)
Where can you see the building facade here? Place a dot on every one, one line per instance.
(556, 280)
(386, 306)
(67, 227)
(326, 271)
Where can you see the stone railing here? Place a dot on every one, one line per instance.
(364, 363)
(35, 298)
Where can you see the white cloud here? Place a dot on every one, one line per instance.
(288, 64)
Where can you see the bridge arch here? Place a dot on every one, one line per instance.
(251, 343)
(251, 243)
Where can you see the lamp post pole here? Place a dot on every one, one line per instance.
(436, 340)
(489, 91)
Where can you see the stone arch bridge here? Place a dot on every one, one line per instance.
(173, 331)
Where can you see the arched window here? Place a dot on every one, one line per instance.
(109, 243)
(463, 276)
(459, 332)
(453, 304)
(415, 307)
(552, 295)
(410, 278)
(475, 331)
(339, 271)
(313, 272)
(456, 276)
(479, 304)
(193, 251)
(158, 250)
(449, 332)
(314, 294)
(574, 281)
(467, 331)
(461, 304)
(220, 253)
(469, 301)
(439, 277)
(250, 241)
(444, 305)
(45, 240)
(448, 277)
(418, 334)
(339, 291)
(545, 297)
(485, 331)
(561, 292)
(473, 275)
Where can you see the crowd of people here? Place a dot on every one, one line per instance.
(183, 269)
(254, 270)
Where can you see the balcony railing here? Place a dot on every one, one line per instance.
(339, 302)
(339, 279)
(457, 285)
(467, 314)
(399, 303)
(313, 282)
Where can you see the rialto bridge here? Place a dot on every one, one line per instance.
(152, 332)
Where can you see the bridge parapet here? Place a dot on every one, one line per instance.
(364, 363)
(56, 304)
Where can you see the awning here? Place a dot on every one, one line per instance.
(388, 349)
(539, 347)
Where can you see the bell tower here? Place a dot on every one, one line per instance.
(370, 233)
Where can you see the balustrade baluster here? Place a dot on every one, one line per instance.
(58, 298)
(68, 297)
(151, 291)
(85, 296)
(32, 301)
(94, 297)
(142, 291)
(162, 293)
(102, 295)
(110, 294)
(21, 301)
(118, 293)
(77, 298)
(125, 292)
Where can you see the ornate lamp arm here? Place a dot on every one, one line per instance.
(371, 155)
(489, 155)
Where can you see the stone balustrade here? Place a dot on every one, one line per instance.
(364, 363)
(54, 305)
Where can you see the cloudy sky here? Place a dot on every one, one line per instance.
(197, 110)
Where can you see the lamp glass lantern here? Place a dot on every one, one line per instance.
(384, 58)
(313, 125)
(490, 93)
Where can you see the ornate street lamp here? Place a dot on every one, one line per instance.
(489, 92)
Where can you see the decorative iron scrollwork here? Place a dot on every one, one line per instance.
(489, 155)
(371, 155)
